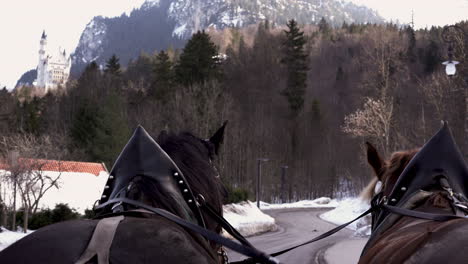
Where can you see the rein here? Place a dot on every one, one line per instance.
(379, 202)
(244, 247)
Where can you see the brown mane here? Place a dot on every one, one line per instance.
(393, 168)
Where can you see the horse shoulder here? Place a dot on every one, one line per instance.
(58, 243)
(446, 244)
(428, 242)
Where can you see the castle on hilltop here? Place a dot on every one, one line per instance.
(52, 71)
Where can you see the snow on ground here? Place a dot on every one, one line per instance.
(323, 202)
(248, 219)
(8, 237)
(347, 210)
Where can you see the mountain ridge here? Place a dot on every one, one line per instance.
(160, 24)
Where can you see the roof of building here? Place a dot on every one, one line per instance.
(57, 165)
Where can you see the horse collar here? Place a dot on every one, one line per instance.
(143, 157)
(438, 159)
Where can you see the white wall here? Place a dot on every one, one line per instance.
(78, 190)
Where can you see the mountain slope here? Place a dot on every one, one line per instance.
(159, 24)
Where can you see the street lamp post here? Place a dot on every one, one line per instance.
(449, 35)
(283, 182)
(259, 173)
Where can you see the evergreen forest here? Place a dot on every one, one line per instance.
(303, 96)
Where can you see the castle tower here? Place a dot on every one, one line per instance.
(52, 70)
(41, 66)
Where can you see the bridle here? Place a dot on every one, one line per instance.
(380, 207)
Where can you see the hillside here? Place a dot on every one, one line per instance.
(160, 24)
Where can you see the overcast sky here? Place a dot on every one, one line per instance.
(22, 22)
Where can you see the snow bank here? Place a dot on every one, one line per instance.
(323, 202)
(8, 237)
(347, 210)
(248, 219)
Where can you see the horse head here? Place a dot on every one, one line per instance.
(386, 171)
(195, 158)
(415, 193)
(176, 174)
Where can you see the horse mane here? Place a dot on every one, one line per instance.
(368, 192)
(193, 157)
(391, 171)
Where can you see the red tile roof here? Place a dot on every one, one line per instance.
(58, 165)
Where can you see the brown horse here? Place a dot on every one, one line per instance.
(404, 239)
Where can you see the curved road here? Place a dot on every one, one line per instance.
(296, 226)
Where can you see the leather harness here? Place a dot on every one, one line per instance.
(381, 207)
(101, 241)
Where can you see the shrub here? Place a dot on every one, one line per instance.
(61, 212)
(236, 195)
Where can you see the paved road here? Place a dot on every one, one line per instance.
(300, 225)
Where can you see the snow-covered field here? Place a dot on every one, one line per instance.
(8, 237)
(347, 210)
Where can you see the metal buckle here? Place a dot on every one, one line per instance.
(116, 205)
(200, 200)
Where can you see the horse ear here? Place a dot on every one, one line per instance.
(217, 138)
(374, 159)
(162, 137)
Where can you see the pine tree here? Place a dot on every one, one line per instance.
(198, 62)
(324, 27)
(112, 131)
(431, 57)
(163, 77)
(295, 60)
(31, 118)
(410, 52)
(84, 126)
(113, 66)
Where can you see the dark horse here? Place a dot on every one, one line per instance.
(424, 185)
(141, 173)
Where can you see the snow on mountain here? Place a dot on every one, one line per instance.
(91, 41)
(150, 4)
(193, 15)
(158, 24)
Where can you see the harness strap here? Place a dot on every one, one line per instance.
(392, 209)
(422, 215)
(225, 224)
(246, 248)
(101, 241)
(252, 252)
(326, 234)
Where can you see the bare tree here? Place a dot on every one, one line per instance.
(27, 174)
(33, 183)
(374, 121)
